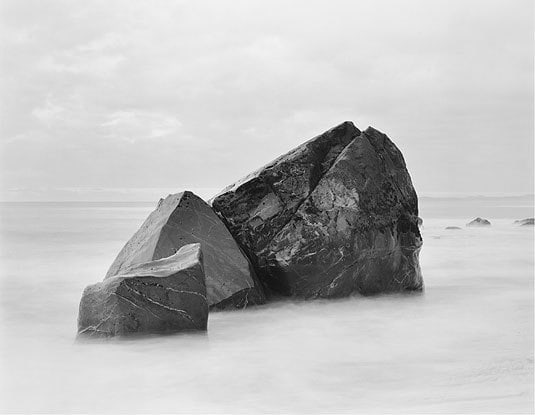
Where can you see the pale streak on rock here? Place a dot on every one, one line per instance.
(166, 295)
(150, 300)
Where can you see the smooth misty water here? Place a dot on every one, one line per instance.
(465, 345)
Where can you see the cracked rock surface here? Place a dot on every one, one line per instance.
(163, 296)
(185, 218)
(336, 215)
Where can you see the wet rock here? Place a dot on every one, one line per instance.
(451, 228)
(163, 296)
(525, 222)
(479, 222)
(257, 207)
(351, 226)
(182, 219)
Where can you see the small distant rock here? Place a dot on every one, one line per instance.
(163, 296)
(525, 222)
(420, 222)
(479, 222)
(451, 228)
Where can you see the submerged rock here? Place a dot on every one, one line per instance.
(525, 222)
(479, 222)
(182, 219)
(163, 296)
(451, 228)
(336, 215)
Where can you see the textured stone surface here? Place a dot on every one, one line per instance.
(182, 219)
(355, 228)
(163, 296)
(257, 207)
(479, 222)
(525, 222)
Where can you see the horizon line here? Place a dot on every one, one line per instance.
(437, 196)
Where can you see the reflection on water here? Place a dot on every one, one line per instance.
(465, 345)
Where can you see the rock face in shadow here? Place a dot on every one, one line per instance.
(335, 216)
(479, 222)
(163, 296)
(182, 219)
(525, 222)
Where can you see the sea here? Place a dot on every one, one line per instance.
(465, 345)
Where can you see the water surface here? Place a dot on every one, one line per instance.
(465, 345)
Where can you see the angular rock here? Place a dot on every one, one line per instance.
(525, 222)
(479, 222)
(182, 219)
(163, 296)
(257, 207)
(353, 229)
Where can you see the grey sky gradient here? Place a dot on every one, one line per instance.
(126, 100)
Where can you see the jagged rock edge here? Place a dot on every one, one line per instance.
(234, 187)
(316, 185)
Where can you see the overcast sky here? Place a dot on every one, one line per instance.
(129, 100)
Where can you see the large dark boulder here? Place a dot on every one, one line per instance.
(478, 222)
(182, 219)
(257, 207)
(163, 296)
(352, 226)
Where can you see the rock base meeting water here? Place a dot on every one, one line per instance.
(163, 296)
(337, 215)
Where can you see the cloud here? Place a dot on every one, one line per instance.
(134, 125)
(81, 64)
(107, 42)
(89, 88)
(49, 112)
